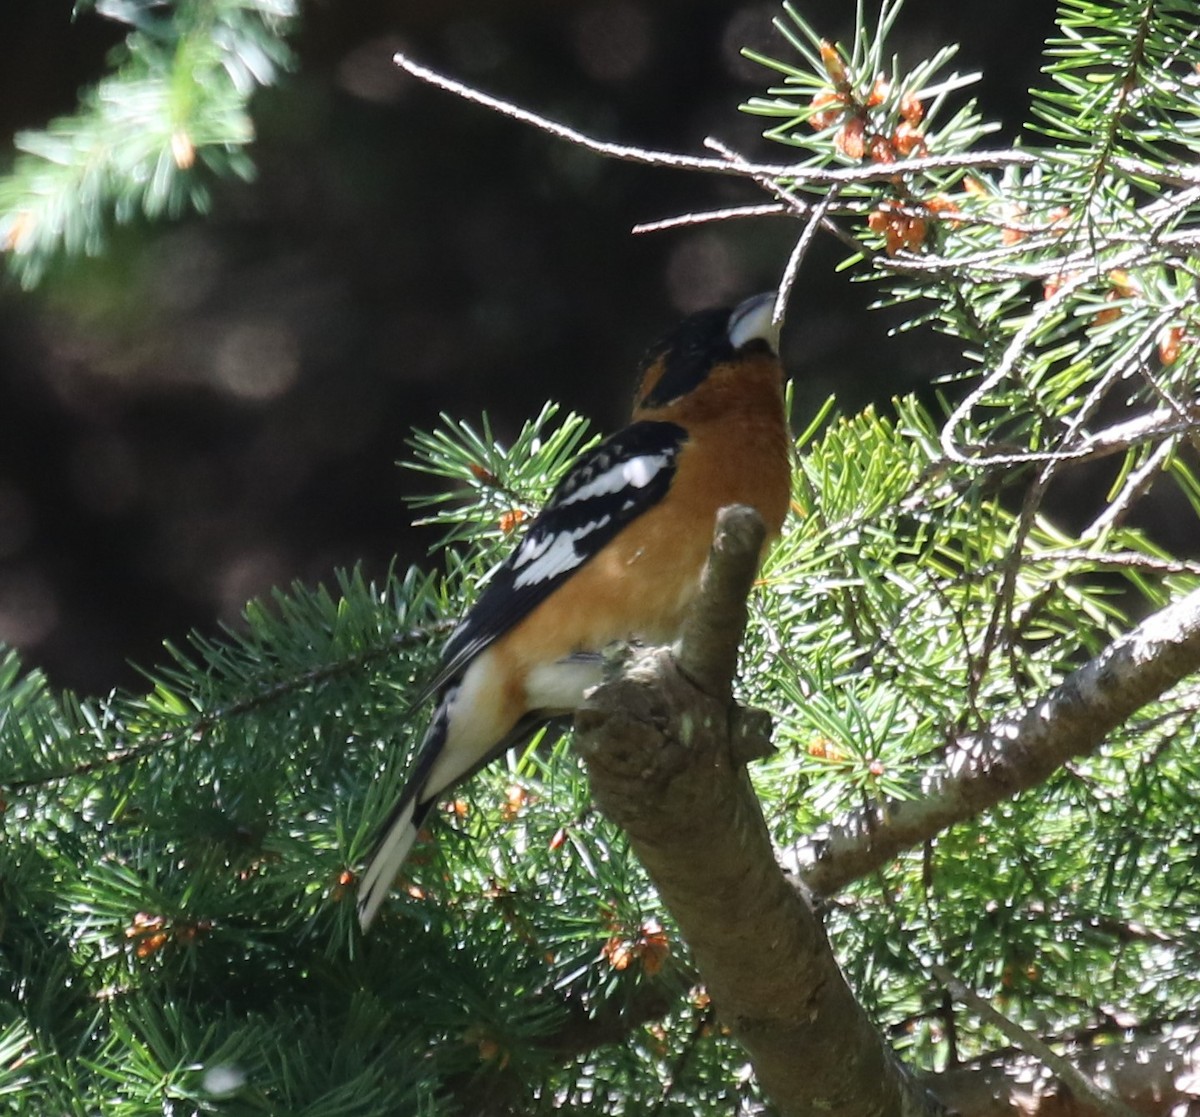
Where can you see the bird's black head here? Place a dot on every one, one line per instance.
(682, 359)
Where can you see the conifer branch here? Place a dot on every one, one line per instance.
(1016, 754)
(144, 140)
(119, 749)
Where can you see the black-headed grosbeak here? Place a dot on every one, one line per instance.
(616, 554)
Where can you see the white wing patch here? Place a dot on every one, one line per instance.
(540, 559)
(634, 473)
(552, 556)
(609, 487)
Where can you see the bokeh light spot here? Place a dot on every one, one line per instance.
(28, 607)
(369, 72)
(613, 41)
(247, 575)
(475, 46)
(703, 271)
(749, 27)
(257, 360)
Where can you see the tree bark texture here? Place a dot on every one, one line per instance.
(1153, 1075)
(666, 750)
(667, 763)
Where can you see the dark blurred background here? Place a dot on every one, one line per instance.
(217, 405)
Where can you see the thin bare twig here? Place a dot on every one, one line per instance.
(1135, 359)
(1135, 486)
(815, 176)
(1004, 368)
(795, 258)
(801, 207)
(1142, 428)
(1080, 1084)
(732, 213)
(1125, 560)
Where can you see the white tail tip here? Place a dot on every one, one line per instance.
(381, 870)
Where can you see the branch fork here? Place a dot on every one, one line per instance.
(666, 750)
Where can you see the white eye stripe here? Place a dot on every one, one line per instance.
(632, 473)
(554, 555)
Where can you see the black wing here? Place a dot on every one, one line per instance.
(606, 489)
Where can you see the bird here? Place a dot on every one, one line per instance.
(616, 554)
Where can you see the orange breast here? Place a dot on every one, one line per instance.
(640, 585)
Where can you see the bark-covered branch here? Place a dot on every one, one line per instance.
(1018, 753)
(1088, 1092)
(584, 1029)
(1152, 1075)
(666, 761)
(666, 749)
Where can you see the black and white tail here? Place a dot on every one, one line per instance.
(389, 855)
(556, 690)
(402, 826)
